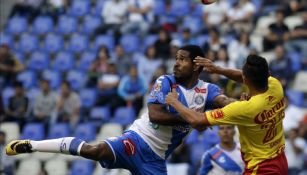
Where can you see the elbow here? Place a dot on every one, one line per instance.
(152, 119)
(198, 125)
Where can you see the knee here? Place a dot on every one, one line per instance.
(100, 151)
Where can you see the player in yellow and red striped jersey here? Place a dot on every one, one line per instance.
(258, 116)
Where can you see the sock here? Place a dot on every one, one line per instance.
(65, 145)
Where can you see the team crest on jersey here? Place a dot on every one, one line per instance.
(217, 114)
(129, 147)
(199, 100)
(158, 87)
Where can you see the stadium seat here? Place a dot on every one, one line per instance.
(28, 43)
(100, 113)
(53, 43)
(33, 131)
(67, 25)
(19, 56)
(263, 23)
(86, 60)
(53, 77)
(109, 130)
(11, 130)
(104, 40)
(150, 40)
(159, 8)
(29, 166)
(42, 25)
(210, 138)
(78, 43)
(88, 97)
(86, 131)
(38, 61)
(6, 94)
(28, 79)
(63, 61)
(179, 8)
(130, 43)
(300, 82)
(98, 7)
(124, 115)
(17, 25)
(7, 39)
(196, 153)
(201, 39)
(43, 157)
(82, 167)
(32, 93)
(90, 23)
(56, 167)
(177, 168)
(59, 130)
(295, 97)
(293, 21)
(76, 79)
(295, 61)
(79, 8)
(193, 24)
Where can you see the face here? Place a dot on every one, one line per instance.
(133, 72)
(151, 52)
(222, 55)
(279, 51)
(119, 51)
(186, 35)
(183, 67)
(18, 90)
(279, 17)
(44, 86)
(65, 90)
(226, 133)
(162, 35)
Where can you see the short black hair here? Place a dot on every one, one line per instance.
(66, 83)
(194, 51)
(18, 84)
(256, 69)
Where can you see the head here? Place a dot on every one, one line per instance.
(226, 133)
(4, 51)
(133, 71)
(184, 67)
(222, 55)
(279, 52)
(244, 38)
(111, 69)
(150, 52)
(214, 34)
(280, 17)
(186, 34)
(119, 51)
(65, 88)
(19, 91)
(44, 84)
(103, 52)
(304, 16)
(256, 73)
(163, 35)
(2, 137)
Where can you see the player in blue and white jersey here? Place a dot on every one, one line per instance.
(225, 157)
(144, 147)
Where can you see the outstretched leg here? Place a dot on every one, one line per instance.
(66, 145)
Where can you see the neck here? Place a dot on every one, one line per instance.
(227, 145)
(187, 82)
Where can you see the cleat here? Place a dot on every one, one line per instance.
(18, 147)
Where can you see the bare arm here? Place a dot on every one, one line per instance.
(222, 100)
(158, 114)
(209, 66)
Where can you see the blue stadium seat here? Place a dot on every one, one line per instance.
(86, 132)
(80, 8)
(42, 25)
(124, 115)
(33, 131)
(295, 60)
(210, 138)
(99, 6)
(17, 25)
(193, 23)
(159, 8)
(32, 93)
(86, 60)
(82, 167)
(53, 77)
(28, 43)
(88, 97)
(63, 62)
(7, 39)
(53, 43)
(101, 113)
(90, 23)
(28, 79)
(192, 138)
(197, 150)
(201, 39)
(38, 61)
(130, 43)
(104, 40)
(180, 8)
(6, 94)
(19, 56)
(59, 130)
(150, 40)
(295, 97)
(76, 79)
(67, 25)
(197, 11)
(78, 43)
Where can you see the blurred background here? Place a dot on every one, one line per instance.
(64, 66)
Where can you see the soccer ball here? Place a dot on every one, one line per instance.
(206, 2)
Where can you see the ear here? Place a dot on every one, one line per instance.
(196, 68)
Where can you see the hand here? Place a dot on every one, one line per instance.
(245, 96)
(208, 65)
(171, 97)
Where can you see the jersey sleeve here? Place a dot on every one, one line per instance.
(213, 91)
(232, 114)
(159, 91)
(206, 164)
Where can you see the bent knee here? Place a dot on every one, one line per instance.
(100, 151)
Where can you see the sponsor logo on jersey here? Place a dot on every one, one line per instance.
(198, 90)
(129, 147)
(199, 99)
(217, 114)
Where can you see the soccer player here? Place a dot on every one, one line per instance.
(259, 118)
(225, 157)
(145, 146)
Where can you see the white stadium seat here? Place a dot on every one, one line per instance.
(29, 167)
(300, 82)
(293, 21)
(11, 130)
(109, 130)
(56, 167)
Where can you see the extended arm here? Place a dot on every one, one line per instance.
(158, 114)
(209, 66)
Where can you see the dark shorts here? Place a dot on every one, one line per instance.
(275, 166)
(133, 153)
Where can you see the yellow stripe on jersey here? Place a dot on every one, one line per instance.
(259, 121)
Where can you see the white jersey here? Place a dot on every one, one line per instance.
(164, 139)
